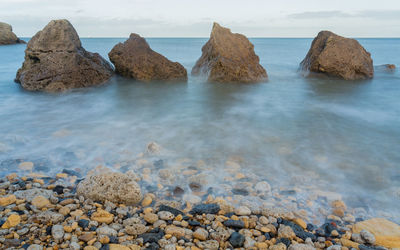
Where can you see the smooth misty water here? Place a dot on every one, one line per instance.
(346, 134)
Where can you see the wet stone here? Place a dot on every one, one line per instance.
(178, 191)
(152, 237)
(237, 224)
(58, 189)
(285, 241)
(205, 209)
(236, 239)
(174, 211)
(195, 187)
(83, 223)
(240, 191)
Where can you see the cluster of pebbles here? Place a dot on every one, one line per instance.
(155, 205)
(39, 213)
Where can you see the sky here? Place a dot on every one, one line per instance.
(194, 18)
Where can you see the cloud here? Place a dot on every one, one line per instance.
(370, 14)
(318, 14)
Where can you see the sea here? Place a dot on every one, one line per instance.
(305, 136)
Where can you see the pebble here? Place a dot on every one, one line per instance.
(102, 216)
(150, 218)
(243, 211)
(12, 221)
(236, 239)
(205, 209)
(7, 200)
(200, 234)
(165, 215)
(367, 237)
(237, 224)
(286, 232)
(57, 231)
(40, 202)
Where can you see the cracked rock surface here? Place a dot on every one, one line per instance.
(56, 61)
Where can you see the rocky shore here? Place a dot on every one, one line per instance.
(135, 210)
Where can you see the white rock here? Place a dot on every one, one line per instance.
(243, 211)
(57, 231)
(367, 236)
(263, 187)
(105, 230)
(165, 215)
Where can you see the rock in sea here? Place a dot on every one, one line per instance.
(114, 187)
(338, 56)
(7, 36)
(386, 233)
(229, 57)
(135, 59)
(56, 61)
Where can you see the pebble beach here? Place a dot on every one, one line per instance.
(68, 211)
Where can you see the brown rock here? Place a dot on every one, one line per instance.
(114, 187)
(338, 56)
(7, 200)
(55, 61)
(229, 57)
(7, 36)
(12, 221)
(102, 216)
(386, 233)
(135, 59)
(40, 202)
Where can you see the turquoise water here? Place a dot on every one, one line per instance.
(334, 135)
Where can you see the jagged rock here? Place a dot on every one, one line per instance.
(56, 61)
(114, 187)
(7, 36)
(135, 59)
(229, 57)
(338, 56)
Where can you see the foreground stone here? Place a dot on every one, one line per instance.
(135, 59)
(338, 56)
(229, 57)
(7, 36)
(386, 233)
(114, 187)
(56, 61)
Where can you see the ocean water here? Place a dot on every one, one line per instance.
(311, 134)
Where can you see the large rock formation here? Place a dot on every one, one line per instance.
(7, 36)
(338, 56)
(135, 59)
(109, 186)
(229, 57)
(55, 61)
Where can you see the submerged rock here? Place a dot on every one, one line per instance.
(7, 36)
(135, 59)
(55, 61)
(229, 57)
(114, 187)
(338, 56)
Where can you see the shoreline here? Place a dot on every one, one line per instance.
(39, 211)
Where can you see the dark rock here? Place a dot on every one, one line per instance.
(93, 228)
(56, 61)
(310, 227)
(7, 36)
(285, 241)
(240, 191)
(236, 224)
(58, 189)
(298, 230)
(178, 191)
(158, 164)
(194, 223)
(205, 209)
(153, 246)
(195, 187)
(114, 239)
(152, 237)
(338, 56)
(105, 247)
(229, 57)
(48, 230)
(135, 59)
(174, 211)
(83, 223)
(236, 239)
(267, 236)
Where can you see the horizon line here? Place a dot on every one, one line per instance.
(200, 37)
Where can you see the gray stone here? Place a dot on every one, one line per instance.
(57, 231)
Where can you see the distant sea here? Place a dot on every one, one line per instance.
(333, 135)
